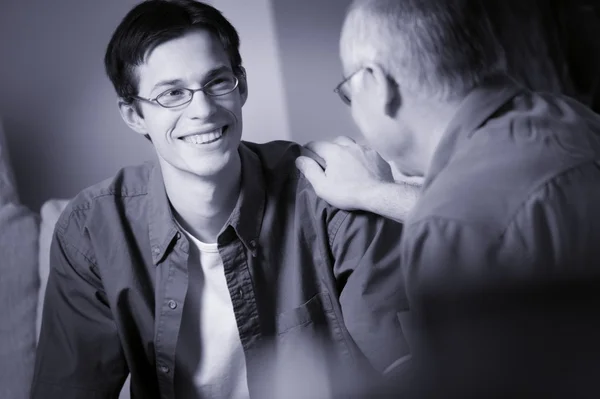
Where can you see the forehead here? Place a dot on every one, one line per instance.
(187, 58)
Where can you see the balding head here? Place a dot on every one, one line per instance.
(440, 48)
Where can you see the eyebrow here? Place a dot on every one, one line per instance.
(209, 75)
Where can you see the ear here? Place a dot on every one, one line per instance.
(386, 88)
(132, 117)
(243, 85)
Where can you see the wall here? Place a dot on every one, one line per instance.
(265, 112)
(308, 34)
(59, 110)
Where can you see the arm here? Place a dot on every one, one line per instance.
(391, 200)
(373, 300)
(79, 354)
(353, 177)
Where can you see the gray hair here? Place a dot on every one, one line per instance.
(439, 48)
(447, 47)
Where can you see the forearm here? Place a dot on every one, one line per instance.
(391, 200)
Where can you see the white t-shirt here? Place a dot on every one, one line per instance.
(221, 369)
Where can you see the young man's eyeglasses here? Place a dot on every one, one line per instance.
(177, 97)
(341, 89)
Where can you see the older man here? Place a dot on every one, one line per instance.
(511, 177)
(542, 54)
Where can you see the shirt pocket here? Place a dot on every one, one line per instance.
(312, 311)
(310, 347)
(315, 320)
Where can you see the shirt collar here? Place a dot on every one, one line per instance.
(246, 218)
(477, 107)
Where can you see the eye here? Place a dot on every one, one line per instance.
(174, 93)
(220, 85)
(217, 82)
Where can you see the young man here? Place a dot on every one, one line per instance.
(511, 177)
(204, 273)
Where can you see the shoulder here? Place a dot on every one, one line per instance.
(535, 115)
(515, 154)
(111, 193)
(533, 129)
(281, 177)
(277, 157)
(286, 185)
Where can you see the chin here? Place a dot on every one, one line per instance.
(214, 165)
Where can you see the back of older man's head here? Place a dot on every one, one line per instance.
(431, 47)
(445, 48)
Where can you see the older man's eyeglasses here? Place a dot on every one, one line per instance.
(342, 88)
(178, 97)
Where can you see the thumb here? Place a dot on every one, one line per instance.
(311, 170)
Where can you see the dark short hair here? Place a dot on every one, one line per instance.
(441, 47)
(154, 22)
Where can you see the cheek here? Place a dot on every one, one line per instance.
(235, 107)
(161, 124)
(380, 133)
(367, 120)
(358, 114)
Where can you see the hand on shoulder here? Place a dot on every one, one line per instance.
(341, 171)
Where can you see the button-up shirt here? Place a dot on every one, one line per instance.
(304, 278)
(512, 193)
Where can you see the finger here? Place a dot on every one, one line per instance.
(344, 140)
(314, 156)
(324, 149)
(311, 170)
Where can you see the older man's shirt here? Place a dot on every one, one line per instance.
(513, 193)
(315, 288)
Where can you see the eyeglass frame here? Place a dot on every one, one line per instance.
(192, 91)
(338, 89)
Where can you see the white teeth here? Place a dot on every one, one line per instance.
(204, 138)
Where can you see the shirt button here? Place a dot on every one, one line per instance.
(252, 244)
(165, 369)
(172, 304)
(178, 235)
(156, 250)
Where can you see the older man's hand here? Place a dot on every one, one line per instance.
(341, 171)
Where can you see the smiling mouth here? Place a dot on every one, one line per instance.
(205, 138)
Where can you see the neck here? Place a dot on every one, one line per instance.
(202, 204)
(428, 131)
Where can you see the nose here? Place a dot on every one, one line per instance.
(202, 106)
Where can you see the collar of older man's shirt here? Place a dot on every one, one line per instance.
(245, 220)
(477, 107)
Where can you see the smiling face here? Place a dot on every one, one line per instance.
(201, 137)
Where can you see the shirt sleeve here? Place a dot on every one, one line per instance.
(373, 300)
(79, 354)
